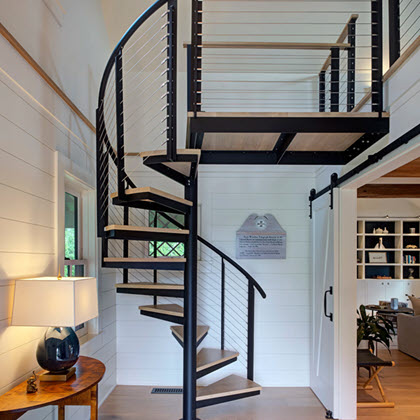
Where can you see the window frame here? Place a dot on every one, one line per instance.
(79, 182)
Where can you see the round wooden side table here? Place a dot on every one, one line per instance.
(80, 389)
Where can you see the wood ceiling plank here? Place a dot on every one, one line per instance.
(323, 142)
(410, 170)
(389, 191)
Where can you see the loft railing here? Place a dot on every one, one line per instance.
(137, 100)
(284, 59)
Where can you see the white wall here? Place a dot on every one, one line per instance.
(34, 124)
(148, 354)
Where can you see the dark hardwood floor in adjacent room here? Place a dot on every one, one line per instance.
(136, 403)
(401, 384)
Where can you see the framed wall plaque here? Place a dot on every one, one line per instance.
(261, 237)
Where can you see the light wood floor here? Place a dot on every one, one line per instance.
(136, 403)
(402, 385)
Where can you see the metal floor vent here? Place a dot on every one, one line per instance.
(167, 391)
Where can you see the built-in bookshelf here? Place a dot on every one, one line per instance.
(399, 259)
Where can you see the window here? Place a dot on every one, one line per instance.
(165, 249)
(74, 265)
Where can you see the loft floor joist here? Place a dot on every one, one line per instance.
(305, 138)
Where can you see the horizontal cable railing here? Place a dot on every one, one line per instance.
(409, 23)
(268, 56)
(137, 101)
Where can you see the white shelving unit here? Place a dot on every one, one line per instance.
(395, 272)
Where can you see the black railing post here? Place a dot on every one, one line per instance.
(102, 175)
(190, 306)
(155, 253)
(335, 80)
(321, 83)
(189, 79)
(377, 56)
(251, 334)
(125, 243)
(196, 59)
(222, 304)
(172, 76)
(351, 63)
(119, 107)
(394, 31)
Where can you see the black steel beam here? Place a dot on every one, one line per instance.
(168, 172)
(289, 125)
(282, 144)
(222, 157)
(134, 235)
(147, 205)
(153, 265)
(358, 147)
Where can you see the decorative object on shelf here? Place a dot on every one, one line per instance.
(411, 273)
(411, 247)
(31, 386)
(378, 257)
(385, 231)
(410, 259)
(380, 244)
(373, 329)
(261, 237)
(412, 230)
(378, 231)
(64, 303)
(382, 277)
(394, 303)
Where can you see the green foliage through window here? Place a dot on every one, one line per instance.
(165, 249)
(71, 240)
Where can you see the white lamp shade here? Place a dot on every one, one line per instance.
(49, 302)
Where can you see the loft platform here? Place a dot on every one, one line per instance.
(306, 138)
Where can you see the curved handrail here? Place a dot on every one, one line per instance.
(235, 264)
(254, 282)
(126, 37)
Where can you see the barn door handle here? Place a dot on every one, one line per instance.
(330, 315)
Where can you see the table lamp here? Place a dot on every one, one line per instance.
(59, 304)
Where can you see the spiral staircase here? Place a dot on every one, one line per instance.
(141, 77)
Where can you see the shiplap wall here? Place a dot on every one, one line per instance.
(34, 124)
(146, 351)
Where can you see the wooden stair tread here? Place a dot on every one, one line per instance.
(178, 152)
(183, 168)
(146, 229)
(144, 260)
(178, 330)
(167, 309)
(155, 191)
(207, 358)
(149, 285)
(231, 385)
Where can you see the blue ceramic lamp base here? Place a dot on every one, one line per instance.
(57, 352)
